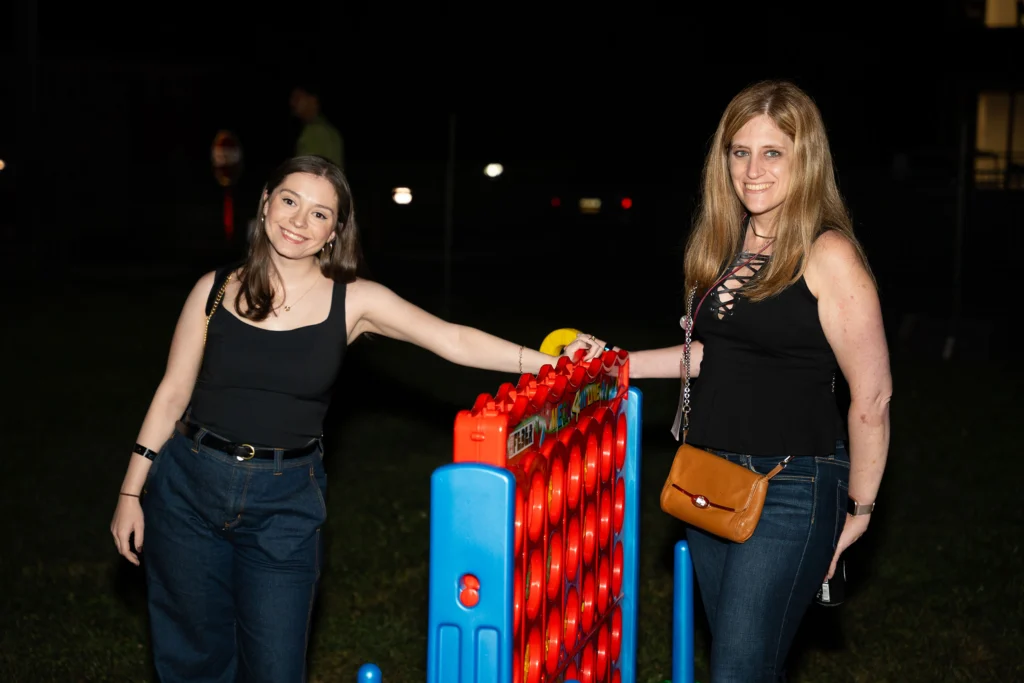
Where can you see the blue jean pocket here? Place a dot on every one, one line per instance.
(842, 500)
(154, 466)
(318, 482)
(799, 469)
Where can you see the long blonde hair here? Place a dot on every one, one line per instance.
(812, 205)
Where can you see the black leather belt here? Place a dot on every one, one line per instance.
(243, 451)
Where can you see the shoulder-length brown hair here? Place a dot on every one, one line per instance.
(812, 205)
(341, 262)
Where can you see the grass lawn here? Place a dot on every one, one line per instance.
(936, 589)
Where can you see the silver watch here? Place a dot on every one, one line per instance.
(855, 508)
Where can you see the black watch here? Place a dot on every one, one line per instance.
(143, 451)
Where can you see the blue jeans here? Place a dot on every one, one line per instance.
(232, 552)
(756, 593)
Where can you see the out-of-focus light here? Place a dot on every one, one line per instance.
(401, 195)
(590, 205)
(556, 202)
(627, 202)
(2, 164)
(493, 170)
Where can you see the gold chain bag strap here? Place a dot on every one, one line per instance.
(206, 332)
(213, 309)
(703, 489)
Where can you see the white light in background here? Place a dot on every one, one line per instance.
(590, 205)
(401, 195)
(493, 170)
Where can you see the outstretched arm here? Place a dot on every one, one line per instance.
(660, 363)
(376, 309)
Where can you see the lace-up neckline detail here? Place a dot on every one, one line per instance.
(722, 301)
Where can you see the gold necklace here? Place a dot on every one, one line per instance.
(289, 307)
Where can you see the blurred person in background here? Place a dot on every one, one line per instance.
(318, 135)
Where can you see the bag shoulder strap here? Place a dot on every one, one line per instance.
(216, 294)
(220, 278)
(212, 306)
(682, 419)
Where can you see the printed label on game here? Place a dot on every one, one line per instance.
(522, 438)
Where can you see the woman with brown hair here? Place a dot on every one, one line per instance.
(784, 298)
(229, 498)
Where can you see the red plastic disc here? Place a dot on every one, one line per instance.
(616, 634)
(571, 626)
(591, 463)
(618, 567)
(607, 451)
(534, 657)
(553, 644)
(619, 508)
(534, 584)
(556, 558)
(574, 476)
(538, 501)
(573, 543)
(602, 652)
(588, 601)
(621, 432)
(587, 663)
(604, 526)
(526, 459)
(604, 579)
(589, 533)
(556, 489)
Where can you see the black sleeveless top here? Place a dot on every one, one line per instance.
(766, 383)
(265, 387)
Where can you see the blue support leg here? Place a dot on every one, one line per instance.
(682, 616)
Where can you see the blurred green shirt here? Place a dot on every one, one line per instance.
(320, 137)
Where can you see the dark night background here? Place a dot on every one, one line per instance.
(127, 98)
(109, 211)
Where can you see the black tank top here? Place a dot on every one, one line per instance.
(766, 383)
(265, 387)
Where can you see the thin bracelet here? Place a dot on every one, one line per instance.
(133, 495)
(521, 359)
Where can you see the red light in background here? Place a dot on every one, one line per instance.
(626, 202)
(555, 201)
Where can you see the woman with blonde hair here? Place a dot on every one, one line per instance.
(782, 299)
